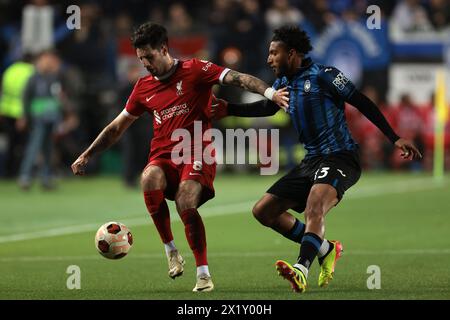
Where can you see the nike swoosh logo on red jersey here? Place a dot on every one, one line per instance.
(148, 99)
(194, 174)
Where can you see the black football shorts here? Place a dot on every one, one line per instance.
(340, 170)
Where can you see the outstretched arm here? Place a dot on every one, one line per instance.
(371, 112)
(109, 135)
(253, 84)
(262, 108)
(340, 86)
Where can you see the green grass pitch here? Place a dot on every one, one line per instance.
(399, 222)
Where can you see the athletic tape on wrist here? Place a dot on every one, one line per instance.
(269, 93)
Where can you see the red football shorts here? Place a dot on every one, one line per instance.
(199, 171)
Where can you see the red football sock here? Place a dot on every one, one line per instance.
(159, 211)
(195, 235)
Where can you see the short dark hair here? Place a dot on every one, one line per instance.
(294, 38)
(151, 34)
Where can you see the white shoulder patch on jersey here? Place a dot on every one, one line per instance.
(340, 81)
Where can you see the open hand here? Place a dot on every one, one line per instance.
(409, 149)
(281, 98)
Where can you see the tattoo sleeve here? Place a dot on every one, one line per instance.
(245, 81)
(104, 140)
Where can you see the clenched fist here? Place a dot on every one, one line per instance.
(79, 165)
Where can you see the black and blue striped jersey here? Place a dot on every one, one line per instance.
(317, 97)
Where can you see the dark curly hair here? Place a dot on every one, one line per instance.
(294, 38)
(151, 34)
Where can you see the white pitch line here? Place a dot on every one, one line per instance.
(395, 187)
(250, 254)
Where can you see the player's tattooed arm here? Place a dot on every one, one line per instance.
(104, 140)
(253, 84)
(109, 136)
(245, 81)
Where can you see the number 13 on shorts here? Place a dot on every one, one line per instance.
(321, 173)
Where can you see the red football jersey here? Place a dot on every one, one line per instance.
(176, 102)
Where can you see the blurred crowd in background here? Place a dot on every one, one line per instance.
(61, 86)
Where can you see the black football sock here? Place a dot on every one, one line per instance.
(296, 233)
(308, 251)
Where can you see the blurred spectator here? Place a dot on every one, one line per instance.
(410, 16)
(126, 54)
(68, 135)
(157, 14)
(220, 20)
(439, 13)
(318, 14)
(37, 26)
(187, 38)
(281, 13)
(91, 50)
(133, 155)
(408, 123)
(340, 6)
(42, 104)
(407, 118)
(386, 6)
(249, 26)
(3, 50)
(14, 81)
(180, 22)
(376, 149)
(87, 48)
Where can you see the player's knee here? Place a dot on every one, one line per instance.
(257, 211)
(260, 214)
(153, 178)
(188, 195)
(185, 202)
(186, 199)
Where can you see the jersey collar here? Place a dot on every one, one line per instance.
(306, 63)
(169, 73)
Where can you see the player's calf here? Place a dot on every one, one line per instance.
(159, 212)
